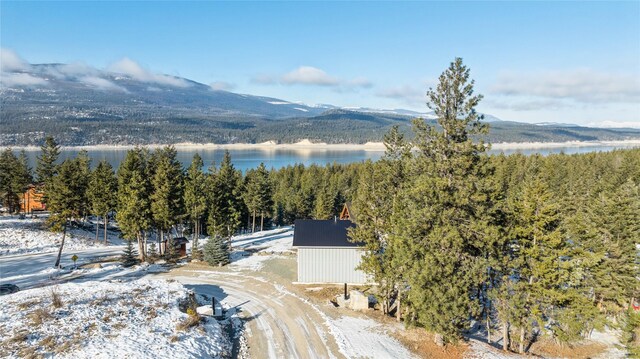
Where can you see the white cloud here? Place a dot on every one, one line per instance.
(360, 82)
(9, 79)
(222, 86)
(132, 69)
(579, 85)
(11, 62)
(614, 124)
(309, 75)
(101, 84)
(527, 104)
(406, 93)
(313, 76)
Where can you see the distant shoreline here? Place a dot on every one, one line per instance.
(322, 146)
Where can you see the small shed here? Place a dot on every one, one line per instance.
(179, 243)
(325, 254)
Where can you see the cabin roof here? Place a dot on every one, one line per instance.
(322, 233)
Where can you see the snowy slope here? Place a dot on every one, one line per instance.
(30, 235)
(134, 319)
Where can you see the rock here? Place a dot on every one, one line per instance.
(358, 300)
(438, 339)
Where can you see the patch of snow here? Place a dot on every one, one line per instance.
(358, 337)
(120, 319)
(301, 109)
(480, 350)
(31, 235)
(279, 102)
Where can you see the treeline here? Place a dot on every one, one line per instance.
(153, 198)
(530, 246)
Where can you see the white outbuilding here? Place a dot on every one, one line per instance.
(325, 254)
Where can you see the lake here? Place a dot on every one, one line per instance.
(244, 159)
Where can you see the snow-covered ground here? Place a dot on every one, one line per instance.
(106, 319)
(250, 251)
(30, 270)
(30, 235)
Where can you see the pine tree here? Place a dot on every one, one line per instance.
(436, 228)
(195, 201)
(65, 198)
(378, 188)
(102, 193)
(224, 200)
(166, 196)
(129, 254)
(265, 193)
(15, 176)
(251, 195)
(539, 262)
(152, 252)
(46, 164)
(133, 210)
(216, 251)
(171, 255)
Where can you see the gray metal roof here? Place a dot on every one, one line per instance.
(322, 233)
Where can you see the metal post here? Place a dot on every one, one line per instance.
(213, 306)
(345, 291)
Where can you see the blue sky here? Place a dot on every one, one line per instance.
(573, 62)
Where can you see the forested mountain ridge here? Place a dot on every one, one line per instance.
(79, 105)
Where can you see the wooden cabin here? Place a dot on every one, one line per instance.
(31, 200)
(346, 214)
(325, 254)
(179, 243)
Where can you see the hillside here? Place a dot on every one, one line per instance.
(80, 105)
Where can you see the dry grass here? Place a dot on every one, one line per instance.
(39, 316)
(29, 352)
(56, 300)
(18, 337)
(69, 345)
(108, 315)
(101, 300)
(549, 348)
(174, 338)
(191, 321)
(421, 343)
(29, 304)
(150, 312)
(48, 343)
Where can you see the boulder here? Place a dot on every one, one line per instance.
(358, 300)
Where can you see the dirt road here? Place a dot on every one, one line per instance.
(283, 324)
(279, 325)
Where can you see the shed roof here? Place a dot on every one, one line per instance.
(322, 233)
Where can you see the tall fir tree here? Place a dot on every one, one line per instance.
(373, 204)
(436, 228)
(195, 201)
(133, 209)
(46, 164)
(102, 193)
(166, 191)
(224, 200)
(15, 177)
(65, 198)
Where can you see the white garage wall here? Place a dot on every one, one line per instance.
(330, 265)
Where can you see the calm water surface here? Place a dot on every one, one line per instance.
(277, 158)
